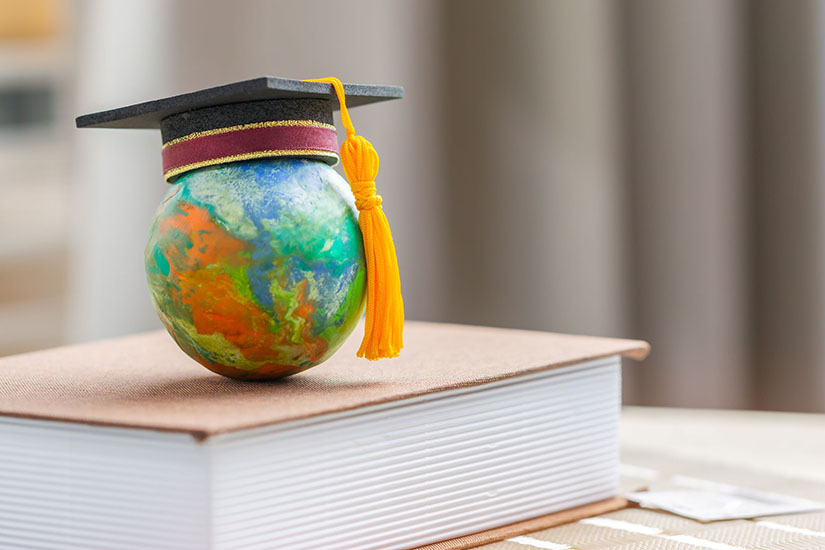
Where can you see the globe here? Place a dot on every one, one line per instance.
(256, 268)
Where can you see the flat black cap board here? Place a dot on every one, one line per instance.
(150, 113)
(266, 117)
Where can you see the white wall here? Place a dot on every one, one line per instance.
(123, 58)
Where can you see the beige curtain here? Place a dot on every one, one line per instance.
(650, 169)
(685, 139)
(788, 204)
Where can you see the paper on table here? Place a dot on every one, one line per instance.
(722, 502)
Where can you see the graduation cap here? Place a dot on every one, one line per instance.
(270, 117)
(258, 118)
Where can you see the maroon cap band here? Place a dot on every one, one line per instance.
(281, 138)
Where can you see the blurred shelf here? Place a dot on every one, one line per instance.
(35, 188)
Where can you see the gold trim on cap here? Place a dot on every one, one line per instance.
(253, 125)
(171, 173)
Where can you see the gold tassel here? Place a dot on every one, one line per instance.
(383, 334)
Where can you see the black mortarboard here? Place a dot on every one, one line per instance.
(149, 114)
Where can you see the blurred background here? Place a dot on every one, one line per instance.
(640, 168)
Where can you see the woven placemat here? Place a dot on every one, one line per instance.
(637, 529)
(529, 526)
(642, 529)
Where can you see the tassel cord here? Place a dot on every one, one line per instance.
(384, 324)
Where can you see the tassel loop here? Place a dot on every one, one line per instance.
(359, 159)
(361, 168)
(384, 324)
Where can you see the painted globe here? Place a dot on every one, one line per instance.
(257, 268)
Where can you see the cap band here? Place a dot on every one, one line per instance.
(279, 138)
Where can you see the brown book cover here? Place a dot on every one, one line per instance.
(145, 381)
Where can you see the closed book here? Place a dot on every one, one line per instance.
(128, 443)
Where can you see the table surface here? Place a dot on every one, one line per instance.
(778, 452)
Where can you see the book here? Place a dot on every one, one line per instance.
(128, 443)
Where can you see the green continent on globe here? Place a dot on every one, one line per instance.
(257, 268)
